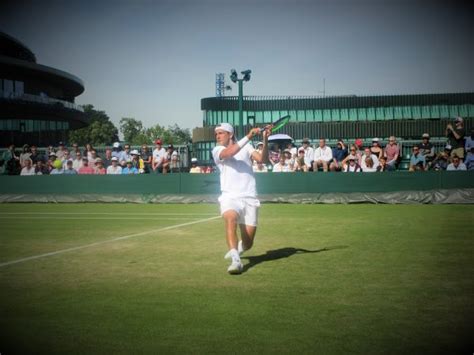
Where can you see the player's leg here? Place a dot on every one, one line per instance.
(248, 227)
(231, 219)
(247, 234)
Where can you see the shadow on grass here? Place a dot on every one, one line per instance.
(281, 253)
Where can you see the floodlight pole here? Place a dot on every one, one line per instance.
(241, 107)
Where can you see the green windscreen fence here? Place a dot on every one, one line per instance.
(452, 187)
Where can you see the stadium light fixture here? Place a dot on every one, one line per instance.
(235, 79)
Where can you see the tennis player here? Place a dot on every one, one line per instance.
(238, 201)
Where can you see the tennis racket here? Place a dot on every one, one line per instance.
(278, 123)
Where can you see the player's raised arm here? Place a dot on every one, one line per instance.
(225, 137)
(262, 157)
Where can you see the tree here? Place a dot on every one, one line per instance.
(100, 131)
(132, 130)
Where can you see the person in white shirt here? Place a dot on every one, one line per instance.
(282, 166)
(308, 153)
(28, 169)
(322, 156)
(77, 162)
(369, 165)
(159, 155)
(114, 169)
(238, 201)
(363, 160)
(456, 164)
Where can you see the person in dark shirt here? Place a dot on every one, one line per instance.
(339, 154)
(427, 149)
(456, 137)
(35, 155)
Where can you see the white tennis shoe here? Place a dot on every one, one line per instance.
(235, 268)
(240, 249)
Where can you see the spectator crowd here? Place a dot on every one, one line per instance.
(458, 154)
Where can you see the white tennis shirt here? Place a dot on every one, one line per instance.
(237, 179)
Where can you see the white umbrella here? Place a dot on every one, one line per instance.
(280, 137)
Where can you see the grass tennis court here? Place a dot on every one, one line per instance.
(320, 279)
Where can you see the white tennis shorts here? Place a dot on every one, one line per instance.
(246, 208)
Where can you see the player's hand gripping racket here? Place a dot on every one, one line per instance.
(277, 124)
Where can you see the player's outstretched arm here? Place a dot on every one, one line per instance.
(233, 148)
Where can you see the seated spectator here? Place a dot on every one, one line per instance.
(369, 166)
(376, 149)
(51, 159)
(352, 165)
(259, 167)
(57, 167)
(373, 157)
(107, 161)
(35, 155)
(77, 161)
(75, 149)
(290, 161)
(147, 157)
(25, 154)
(28, 169)
(88, 152)
(195, 169)
(158, 157)
(292, 149)
(392, 153)
(115, 168)
(171, 163)
(427, 149)
(469, 142)
(300, 164)
(469, 161)
(92, 156)
(69, 169)
(417, 160)
(274, 154)
(125, 155)
(85, 169)
(60, 151)
(322, 156)
(354, 152)
(65, 158)
(137, 161)
(282, 166)
(456, 137)
(99, 167)
(339, 154)
(383, 165)
(9, 162)
(359, 143)
(116, 150)
(308, 154)
(50, 150)
(259, 147)
(456, 164)
(129, 169)
(41, 168)
(442, 160)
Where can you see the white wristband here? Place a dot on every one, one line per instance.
(243, 142)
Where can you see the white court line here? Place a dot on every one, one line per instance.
(105, 241)
(164, 218)
(109, 213)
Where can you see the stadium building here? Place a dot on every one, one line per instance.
(348, 117)
(36, 102)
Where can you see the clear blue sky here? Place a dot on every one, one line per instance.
(155, 60)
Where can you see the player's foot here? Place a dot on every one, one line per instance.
(240, 249)
(235, 268)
